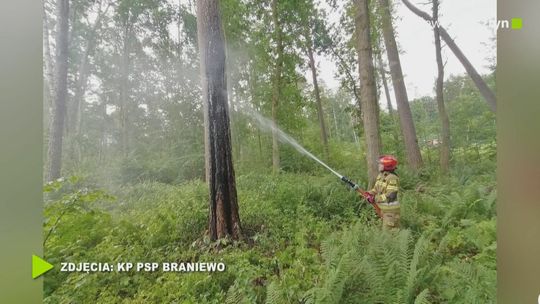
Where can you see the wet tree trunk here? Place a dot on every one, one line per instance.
(368, 94)
(443, 116)
(324, 136)
(276, 94)
(224, 219)
(486, 92)
(414, 158)
(59, 107)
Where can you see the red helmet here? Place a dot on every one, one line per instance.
(389, 162)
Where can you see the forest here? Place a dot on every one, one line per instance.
(182, 131)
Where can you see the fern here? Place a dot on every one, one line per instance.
(273, 294)
(422, 297)
(234, 296)
(419, 251)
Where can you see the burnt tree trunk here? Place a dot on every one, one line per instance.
(486, 92)
(414, 158)
(443, 116)
(368, 90)
(224, 219)
(59, 107)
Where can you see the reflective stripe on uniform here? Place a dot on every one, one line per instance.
(394, 206)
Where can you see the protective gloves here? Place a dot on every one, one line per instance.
(369, 197)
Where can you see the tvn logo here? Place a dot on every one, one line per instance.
(514, 23)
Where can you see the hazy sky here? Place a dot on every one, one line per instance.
(463, 19)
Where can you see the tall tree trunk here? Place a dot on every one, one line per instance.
(276, 94)
(224, 219)
(382, 72)
(388, 100)
(368, 94)
(355, 137)
(75, 115)
(103, 133)
(443, 116)
(48, 68)
(414, 158)
(337, 135)
(324, 136)
(486, 92)
(124, 91)
(59, 108)
(257, 104)
(74, 118)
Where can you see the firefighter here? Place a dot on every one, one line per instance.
(385, 192)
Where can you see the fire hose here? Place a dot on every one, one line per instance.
(363, 194)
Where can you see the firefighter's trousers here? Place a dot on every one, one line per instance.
(390, 214)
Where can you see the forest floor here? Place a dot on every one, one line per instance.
(308, 238)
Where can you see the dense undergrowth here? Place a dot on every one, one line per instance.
(308, 239)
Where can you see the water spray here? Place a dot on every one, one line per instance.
(269, 125)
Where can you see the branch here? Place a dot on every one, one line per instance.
(343, 64)
(486, 92)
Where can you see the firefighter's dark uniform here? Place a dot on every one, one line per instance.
(385, 192)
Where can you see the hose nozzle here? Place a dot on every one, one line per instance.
(349, 182)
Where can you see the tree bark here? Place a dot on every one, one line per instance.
(414, 158)
(59, 108)
(370, 107)
(224, 219)
(276, 95)
(443, 116)
(486, 92)
(320, 113)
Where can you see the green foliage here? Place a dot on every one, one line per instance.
(307, 239)
(472, 125)
(363, 265)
